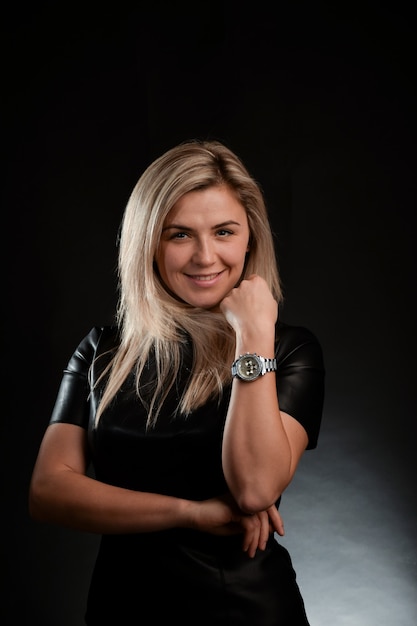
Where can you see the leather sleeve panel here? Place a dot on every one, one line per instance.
(300, 378)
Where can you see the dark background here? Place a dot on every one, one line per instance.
(319, 101)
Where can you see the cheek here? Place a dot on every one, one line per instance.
(167, 260)
(240, 254)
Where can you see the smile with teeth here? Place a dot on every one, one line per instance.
(204, 277)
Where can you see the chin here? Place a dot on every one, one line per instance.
(203, 302)
(207, 305)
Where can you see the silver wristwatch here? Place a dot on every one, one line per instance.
(250, 366)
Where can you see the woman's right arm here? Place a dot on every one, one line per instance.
(61, 493)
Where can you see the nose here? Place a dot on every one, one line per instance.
(204, 252)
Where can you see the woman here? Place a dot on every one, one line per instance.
(193, 410)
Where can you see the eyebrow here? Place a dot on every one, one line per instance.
(182, 227)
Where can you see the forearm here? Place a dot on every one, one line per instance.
(256, 450)
(77, 501)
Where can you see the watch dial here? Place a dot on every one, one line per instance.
(249, 367)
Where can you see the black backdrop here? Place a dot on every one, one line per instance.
(320, 103)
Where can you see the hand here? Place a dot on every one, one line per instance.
(250, 305)
(258, 528)
(221, 516)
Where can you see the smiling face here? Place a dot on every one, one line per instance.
(204, 241)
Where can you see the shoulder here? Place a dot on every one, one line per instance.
(297, 343)
(98, 341)
(301, 376)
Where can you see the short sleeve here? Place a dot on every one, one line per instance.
(72, 401)
(300, 378)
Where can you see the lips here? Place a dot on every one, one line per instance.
(204, 277)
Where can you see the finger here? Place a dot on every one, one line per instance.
(253, 546)
(276, 521)
(280, 525)
(250, 541)
(251, 536)
(264, 531)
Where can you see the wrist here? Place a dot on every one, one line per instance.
(256, 345)
(187, 514)
(255, 339)
(250, 366)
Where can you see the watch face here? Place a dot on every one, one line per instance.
(249, 367)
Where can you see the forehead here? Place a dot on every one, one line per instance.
(219, 201)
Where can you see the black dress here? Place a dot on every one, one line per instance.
(182, 575)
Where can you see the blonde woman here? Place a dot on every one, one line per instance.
(193, 410)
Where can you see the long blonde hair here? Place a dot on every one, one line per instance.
(153, 322)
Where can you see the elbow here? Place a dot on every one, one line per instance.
(37, 503)
(256, 497)
(253, 501)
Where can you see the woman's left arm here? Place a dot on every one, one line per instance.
(261, 445)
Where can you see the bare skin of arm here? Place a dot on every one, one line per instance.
(262, 445)
(61, 493)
